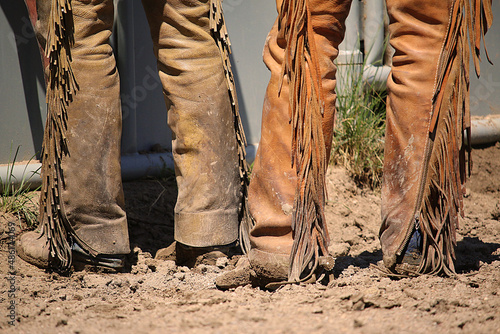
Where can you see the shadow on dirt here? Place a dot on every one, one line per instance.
(471, 252)
(363, 260)
(150, 213)
(150, 210)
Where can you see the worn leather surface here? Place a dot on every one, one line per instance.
(417, 31)
(92, 195)
(200, 116)
(273, 183)
(40, 25)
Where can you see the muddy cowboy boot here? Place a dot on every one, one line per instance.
(289, 238)
(428, 128)
(192, 48)
(82, 217)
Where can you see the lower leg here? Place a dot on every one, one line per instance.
(82, 193)
(290, 231)
(201, 118)
(427, 118)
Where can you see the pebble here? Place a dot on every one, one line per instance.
(222, 262)
(180, 276)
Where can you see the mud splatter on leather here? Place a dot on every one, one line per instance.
(449, 147)
(221, 37)
(61, 88)
(446, 158)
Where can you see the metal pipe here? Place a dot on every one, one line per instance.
(353, 30)
(134, 166)
(27, 173)
(350, 59)
(373, 32)
(485, 130)
(375, 77)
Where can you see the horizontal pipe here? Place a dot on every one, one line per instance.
(134, 166)
(485, 130)
(373, 32)
(27, 172)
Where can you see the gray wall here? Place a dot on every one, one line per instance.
(249, 22)
(23, 108)
(143, 107)
(22, 95)
(485, 91)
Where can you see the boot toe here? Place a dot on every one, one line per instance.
(240, 276)
(33, 247)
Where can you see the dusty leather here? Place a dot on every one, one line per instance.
(417, 31)
(33, 249)
(42, 8)
(201, 120)
(273, 183)
(92, 194)
(199, 115)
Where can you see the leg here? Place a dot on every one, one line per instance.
(427, 119)
(82, 193)
(200, 115)
(286, 195)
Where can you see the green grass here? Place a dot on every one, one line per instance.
(358, 142)
(16, 196)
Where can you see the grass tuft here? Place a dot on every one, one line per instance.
(358, 142)
(16, 196)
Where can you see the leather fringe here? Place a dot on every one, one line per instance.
(61, 88)
(301, 68)
(221, 37)
(448, 153)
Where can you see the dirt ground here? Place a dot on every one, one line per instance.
(157, 296)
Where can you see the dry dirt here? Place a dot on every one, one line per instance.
(158, 297)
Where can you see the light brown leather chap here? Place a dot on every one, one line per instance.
(274, 180)
(427, 121)
(201, 119)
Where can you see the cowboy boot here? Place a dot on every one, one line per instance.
(286, 194)
(81, 203)
(201, 116)
(427, 121)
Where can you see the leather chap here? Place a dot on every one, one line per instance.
(201, 117)
(428, 121)
(82, 197)
(287, 191)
